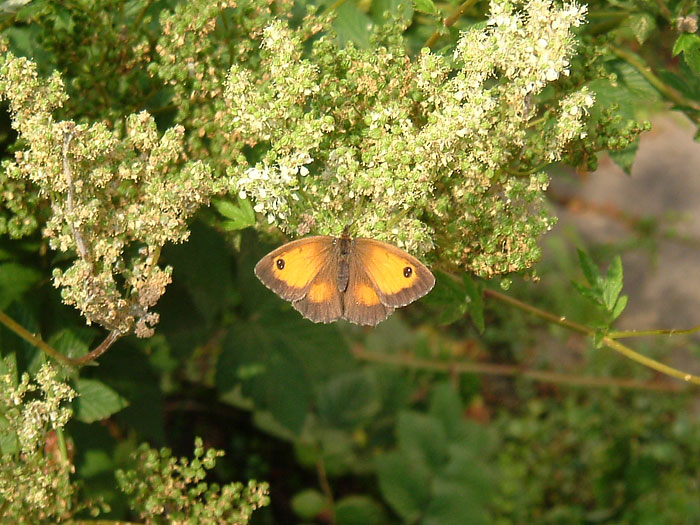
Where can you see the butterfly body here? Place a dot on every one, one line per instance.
(329, 278)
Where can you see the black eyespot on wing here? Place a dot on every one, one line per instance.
(280, 264)
(407, 272)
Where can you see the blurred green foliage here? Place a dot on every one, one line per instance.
(347, 425)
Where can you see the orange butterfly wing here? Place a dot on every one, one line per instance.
(397, 277)
(305, 272)
(381, 277)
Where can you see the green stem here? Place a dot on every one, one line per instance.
(643, 333)
(606, 341)
(35, 340)
(449, 22)
(335, 5)
(62, 445)
(142, 13)
(326, 486)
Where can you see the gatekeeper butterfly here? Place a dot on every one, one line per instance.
(328, 278)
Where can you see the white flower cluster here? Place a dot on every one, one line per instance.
(531, 48)
(269, 186)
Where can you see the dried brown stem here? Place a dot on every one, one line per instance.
(77, 235)
(466, 367)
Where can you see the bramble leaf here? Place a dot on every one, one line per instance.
(96, 401)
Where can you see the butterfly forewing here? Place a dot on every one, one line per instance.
(398, 278)
(289, 270)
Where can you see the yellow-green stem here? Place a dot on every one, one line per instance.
(606, 341)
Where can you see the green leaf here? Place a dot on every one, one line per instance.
(9, 444)
(387, 11)
(624, 158)
(426, 6)
(446, 406)
(96, 401)
(453, 503)
(359, 510)
(349, 400)
(685, 80)
(422, 436)
(476, 302)
(637, 83)
(620, 306)
(95, 462)
(206, 254)
(309, 503)
(127, 370)
(608, 93)
(590, 270)
(352, 25)
(469, 466)
(454, 298)
(586, 292)
(241, 215)
(642, 26)
(612, 284)
(290, 355)
(68, 343)
(689, 45)
(15, 280)
(394, 388)
(404, 484)
(685, 42)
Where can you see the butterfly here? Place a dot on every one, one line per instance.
(329, 278)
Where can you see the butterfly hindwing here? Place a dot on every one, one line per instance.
(323, 301)
(361, 302)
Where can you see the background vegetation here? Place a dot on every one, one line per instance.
(153, 151)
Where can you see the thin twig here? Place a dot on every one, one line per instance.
(32, 339)
(470, 367)
(113, 336)
(606, 341)
(326, 486)
(35, 340)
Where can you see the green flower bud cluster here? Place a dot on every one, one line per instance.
(164, 487)
(35, 484)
